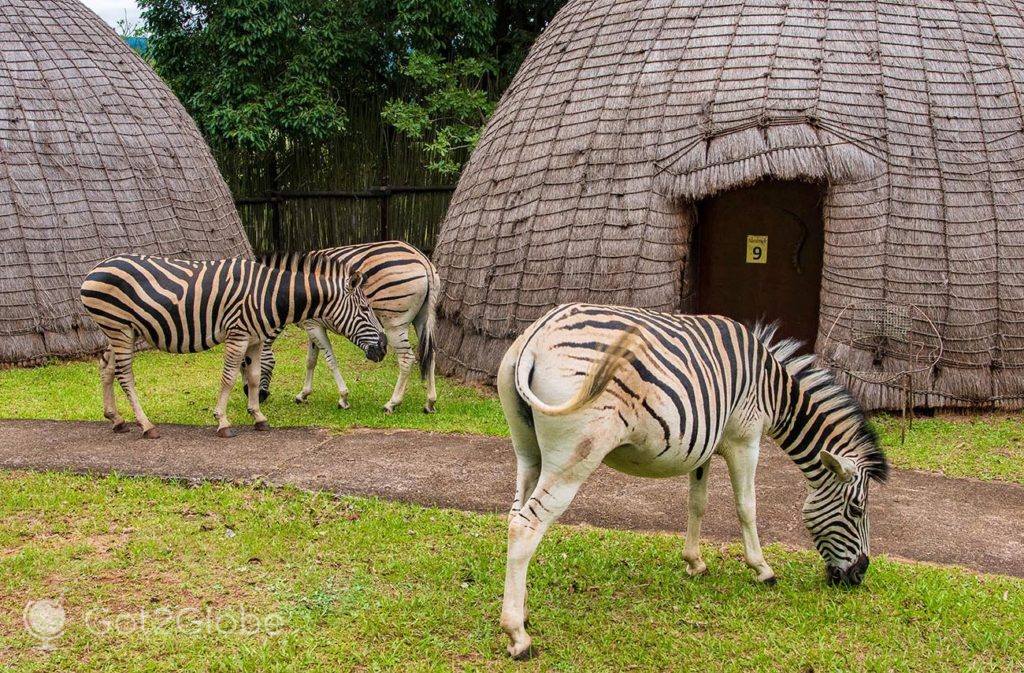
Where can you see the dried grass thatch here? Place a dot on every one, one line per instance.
(97, 157)
(627, 111)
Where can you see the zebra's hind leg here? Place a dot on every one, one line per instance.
(741, 457)
(122, 348)
(235, 348)
(266, 367)
(698, 502)
(255, 393)
(554, 491)
(109, 401)
(399, 340)
(431, 389)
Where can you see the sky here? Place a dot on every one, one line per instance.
(112, 10)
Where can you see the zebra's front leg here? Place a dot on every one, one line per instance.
(698, 502)
(741, 458)
(399, 340)
(252, 374)
(312, 353)
(109, 401)
(554, 491)
(234, 352)
(318, 336)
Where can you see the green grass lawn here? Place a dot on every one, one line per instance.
(183, 389)
(145, 570)
(177, 388)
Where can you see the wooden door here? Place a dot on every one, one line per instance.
(759, 256)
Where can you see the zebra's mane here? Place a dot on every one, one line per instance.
(823, 382)
(302, 262)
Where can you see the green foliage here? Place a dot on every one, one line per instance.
(447, 116)
(453, 89)
(256, 73)
(259, 74)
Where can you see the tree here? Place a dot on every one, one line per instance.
(452, 91)
(259, 74)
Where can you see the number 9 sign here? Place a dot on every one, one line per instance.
(757, 249)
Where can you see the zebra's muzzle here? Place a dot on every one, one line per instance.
(851, 576)
(377, 351)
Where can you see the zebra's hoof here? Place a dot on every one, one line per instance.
(428, 408)
(343, 404)
(122, 428)
(261, 426)
(152, 433)
(227, 433)
(388, 409)
(770, 581)
(525, 654)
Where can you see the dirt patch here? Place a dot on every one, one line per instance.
(917, 515)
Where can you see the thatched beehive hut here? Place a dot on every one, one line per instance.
(97, 157)
(855, 169)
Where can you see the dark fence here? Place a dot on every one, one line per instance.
(363, 186)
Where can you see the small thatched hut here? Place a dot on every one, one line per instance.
(97, 157)
(854, 169)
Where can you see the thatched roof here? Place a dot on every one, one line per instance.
(97, 157)
(627, 111)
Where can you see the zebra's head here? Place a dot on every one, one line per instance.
(836, 514)
(351, 316)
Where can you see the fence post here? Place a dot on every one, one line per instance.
(276, 233)
(384, 233)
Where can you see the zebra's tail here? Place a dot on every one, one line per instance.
(622, 351)
(425, 322)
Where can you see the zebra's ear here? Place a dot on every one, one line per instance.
(355, 279)
(841, 466)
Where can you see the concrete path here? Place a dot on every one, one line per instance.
(916, 515)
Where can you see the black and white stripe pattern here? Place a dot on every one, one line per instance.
(184, 306)
(402, 288)
(656, 394)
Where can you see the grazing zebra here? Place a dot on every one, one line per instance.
(655, 395)
(185, 306)
(402, 287)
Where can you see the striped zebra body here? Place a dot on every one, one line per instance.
(184, 306)
(402, 287)
(656, 395)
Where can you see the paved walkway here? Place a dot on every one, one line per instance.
(916, 515)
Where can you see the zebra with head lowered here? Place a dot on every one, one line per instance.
(654, 394)
(184, 306)
(402, 287)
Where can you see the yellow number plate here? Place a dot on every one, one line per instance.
(757, 249)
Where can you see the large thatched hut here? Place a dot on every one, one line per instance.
(97, 157)
(853, 169)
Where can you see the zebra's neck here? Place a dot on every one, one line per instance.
(812, 412)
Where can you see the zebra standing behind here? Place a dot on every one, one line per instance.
(654, 394)
(185, 306)
(402, 287)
